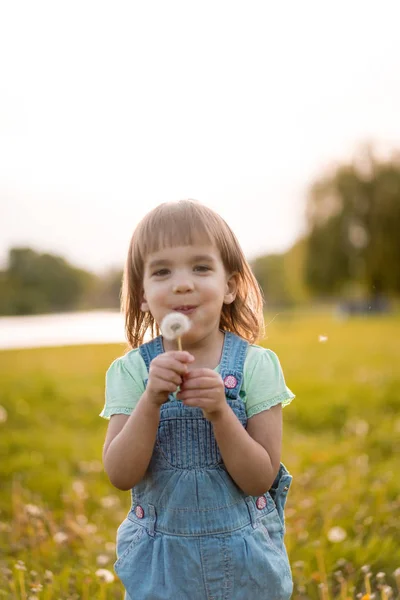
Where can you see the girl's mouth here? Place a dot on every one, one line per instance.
(186, 310)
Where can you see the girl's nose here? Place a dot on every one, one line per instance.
(183, 286)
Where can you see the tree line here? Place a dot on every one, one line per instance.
(351, 248)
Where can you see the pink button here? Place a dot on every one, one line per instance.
(139, 512)
(230, 382)
(261, 502)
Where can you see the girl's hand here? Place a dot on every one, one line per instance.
(166, 374)
(204, 388)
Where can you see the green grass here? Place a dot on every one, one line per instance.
(341, 444)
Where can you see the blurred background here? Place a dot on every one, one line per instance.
(285, 120)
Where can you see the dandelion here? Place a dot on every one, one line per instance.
(36, 588)
(109, 501)
(91, 528)
(366, 570)
(33, 511)
(102, 560)
(174, 326)
(110, 547)
(79, 489)
(82, 520)
(336, 534)
(48, 576)
(105, 575)
(20, 567)
(60, 537)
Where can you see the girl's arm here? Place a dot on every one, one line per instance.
(129, 444)
(252, 456)
(130, 440)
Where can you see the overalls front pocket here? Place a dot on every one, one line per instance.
(129, 535)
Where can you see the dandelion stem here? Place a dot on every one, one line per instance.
(367, 583)
(343, 589)
(321, 567)
(21, 581)
(179, 344)
(102, 592)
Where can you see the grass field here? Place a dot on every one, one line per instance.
(59, 514)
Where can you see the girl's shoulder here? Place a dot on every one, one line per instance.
(130, 362)
(258, 356)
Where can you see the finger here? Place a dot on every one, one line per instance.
(189, 395)
(168, 362)
(201, 383)
(180, 355)
(166, 375)
(203, 372)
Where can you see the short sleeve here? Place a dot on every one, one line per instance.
(264, 381)
(124, 387)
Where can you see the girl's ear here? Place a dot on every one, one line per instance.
(144, 307)
(231, 289)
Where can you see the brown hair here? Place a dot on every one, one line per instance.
(184, 223)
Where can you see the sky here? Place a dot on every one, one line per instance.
(110, 108)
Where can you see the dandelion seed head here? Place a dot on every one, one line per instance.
(81, 520)
(365, 569)
(79, 489)
(109, 501)
(110, 547)
(105, 575)
(33, 511)
(91, 528)
(48, 576)
(60, 537)
(175, 325)
(336, 534)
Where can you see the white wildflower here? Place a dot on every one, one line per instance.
(91, 528)
(32, 510)
(79, 489)
(60, 537)
(102, 560)
(109, 501)
(110, 547)
(336, 534)
(174, 325)
(323, 338)
(105, 575)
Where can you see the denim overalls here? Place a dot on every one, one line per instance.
(191, 533)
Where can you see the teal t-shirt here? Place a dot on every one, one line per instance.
(263, 383)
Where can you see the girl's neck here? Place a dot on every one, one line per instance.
(207, 351)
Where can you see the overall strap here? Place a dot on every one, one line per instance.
(150, 350)
(232, 363)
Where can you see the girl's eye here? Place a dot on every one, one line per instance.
(202, 268)
(160, 272)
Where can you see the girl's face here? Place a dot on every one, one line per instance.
(191, 280)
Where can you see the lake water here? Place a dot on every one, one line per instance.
(95, 327)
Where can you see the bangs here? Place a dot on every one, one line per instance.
(176, 224)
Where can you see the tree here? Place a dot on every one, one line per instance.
(353, 217)
(38, 283)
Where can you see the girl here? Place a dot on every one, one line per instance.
(196, 434)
